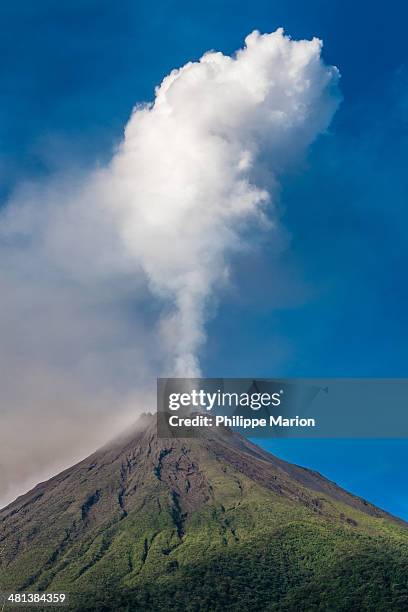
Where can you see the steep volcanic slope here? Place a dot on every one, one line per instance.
(201, 524)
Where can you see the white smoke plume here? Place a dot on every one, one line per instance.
(187, 179)
(108, 279)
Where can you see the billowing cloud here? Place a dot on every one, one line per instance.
(202, 162)
(108, 278)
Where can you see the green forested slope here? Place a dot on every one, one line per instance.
(209, 524)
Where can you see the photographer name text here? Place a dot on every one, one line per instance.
(239, 421)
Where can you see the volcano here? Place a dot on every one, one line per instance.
(207, 523)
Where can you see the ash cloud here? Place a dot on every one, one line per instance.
(108, 278)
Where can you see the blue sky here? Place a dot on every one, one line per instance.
(334, 302)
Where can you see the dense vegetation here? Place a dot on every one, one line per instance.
(297, 567)
(279, 559)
